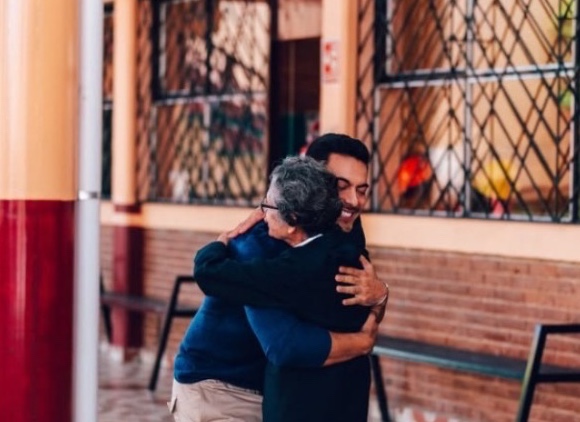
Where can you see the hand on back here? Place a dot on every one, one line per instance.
(363, 285)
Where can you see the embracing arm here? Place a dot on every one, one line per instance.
(362, 283)
(302, 284)
(244, 283)
(289, 341)
(346, 346)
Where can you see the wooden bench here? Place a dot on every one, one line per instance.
(167, 309)
(529, 373)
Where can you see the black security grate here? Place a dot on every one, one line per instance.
(202, 117)
(471, 107)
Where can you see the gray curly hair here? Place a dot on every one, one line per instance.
(307, 194)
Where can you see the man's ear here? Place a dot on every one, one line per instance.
(291, 229)
(293, 220)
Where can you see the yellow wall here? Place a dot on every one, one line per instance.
(501, 238)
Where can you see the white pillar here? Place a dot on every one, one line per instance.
(87, 267)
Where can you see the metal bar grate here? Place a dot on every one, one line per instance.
(469, 107)
(202, 101)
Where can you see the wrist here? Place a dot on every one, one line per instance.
(366, 343)
(384, 298)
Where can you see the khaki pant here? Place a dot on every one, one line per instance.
(214, 401)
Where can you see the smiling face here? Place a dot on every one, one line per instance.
(352, 187)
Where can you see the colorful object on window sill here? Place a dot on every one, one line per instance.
(414, 171)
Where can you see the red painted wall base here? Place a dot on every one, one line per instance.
(128, 278)
(36, 310)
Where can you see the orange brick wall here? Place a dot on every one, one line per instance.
(482, 303)
(167, 254)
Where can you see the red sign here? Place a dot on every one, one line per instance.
(329, 61)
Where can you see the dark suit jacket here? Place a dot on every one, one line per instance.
(300, 280)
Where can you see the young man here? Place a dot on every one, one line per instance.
(220, 353)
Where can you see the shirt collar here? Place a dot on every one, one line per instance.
(307, 241)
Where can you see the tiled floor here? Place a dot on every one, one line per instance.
(123, 394)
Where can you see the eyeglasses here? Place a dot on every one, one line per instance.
(264, 206)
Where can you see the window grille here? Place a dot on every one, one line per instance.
(202, 109)
(471, 107)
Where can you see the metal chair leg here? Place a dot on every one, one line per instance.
(164, 335)
(531, 374)
(170, 314)
(161, 347)
(380, 388)
(106, 311)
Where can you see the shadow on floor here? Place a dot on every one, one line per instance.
(123, 394)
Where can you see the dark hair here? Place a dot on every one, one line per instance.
(336, 143)
(307, 194)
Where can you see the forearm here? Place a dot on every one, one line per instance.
(215, 278)
(287, 340)
(379, 310)
(302, 286)
(346, 346)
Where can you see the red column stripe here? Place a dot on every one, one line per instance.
(36, 304)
